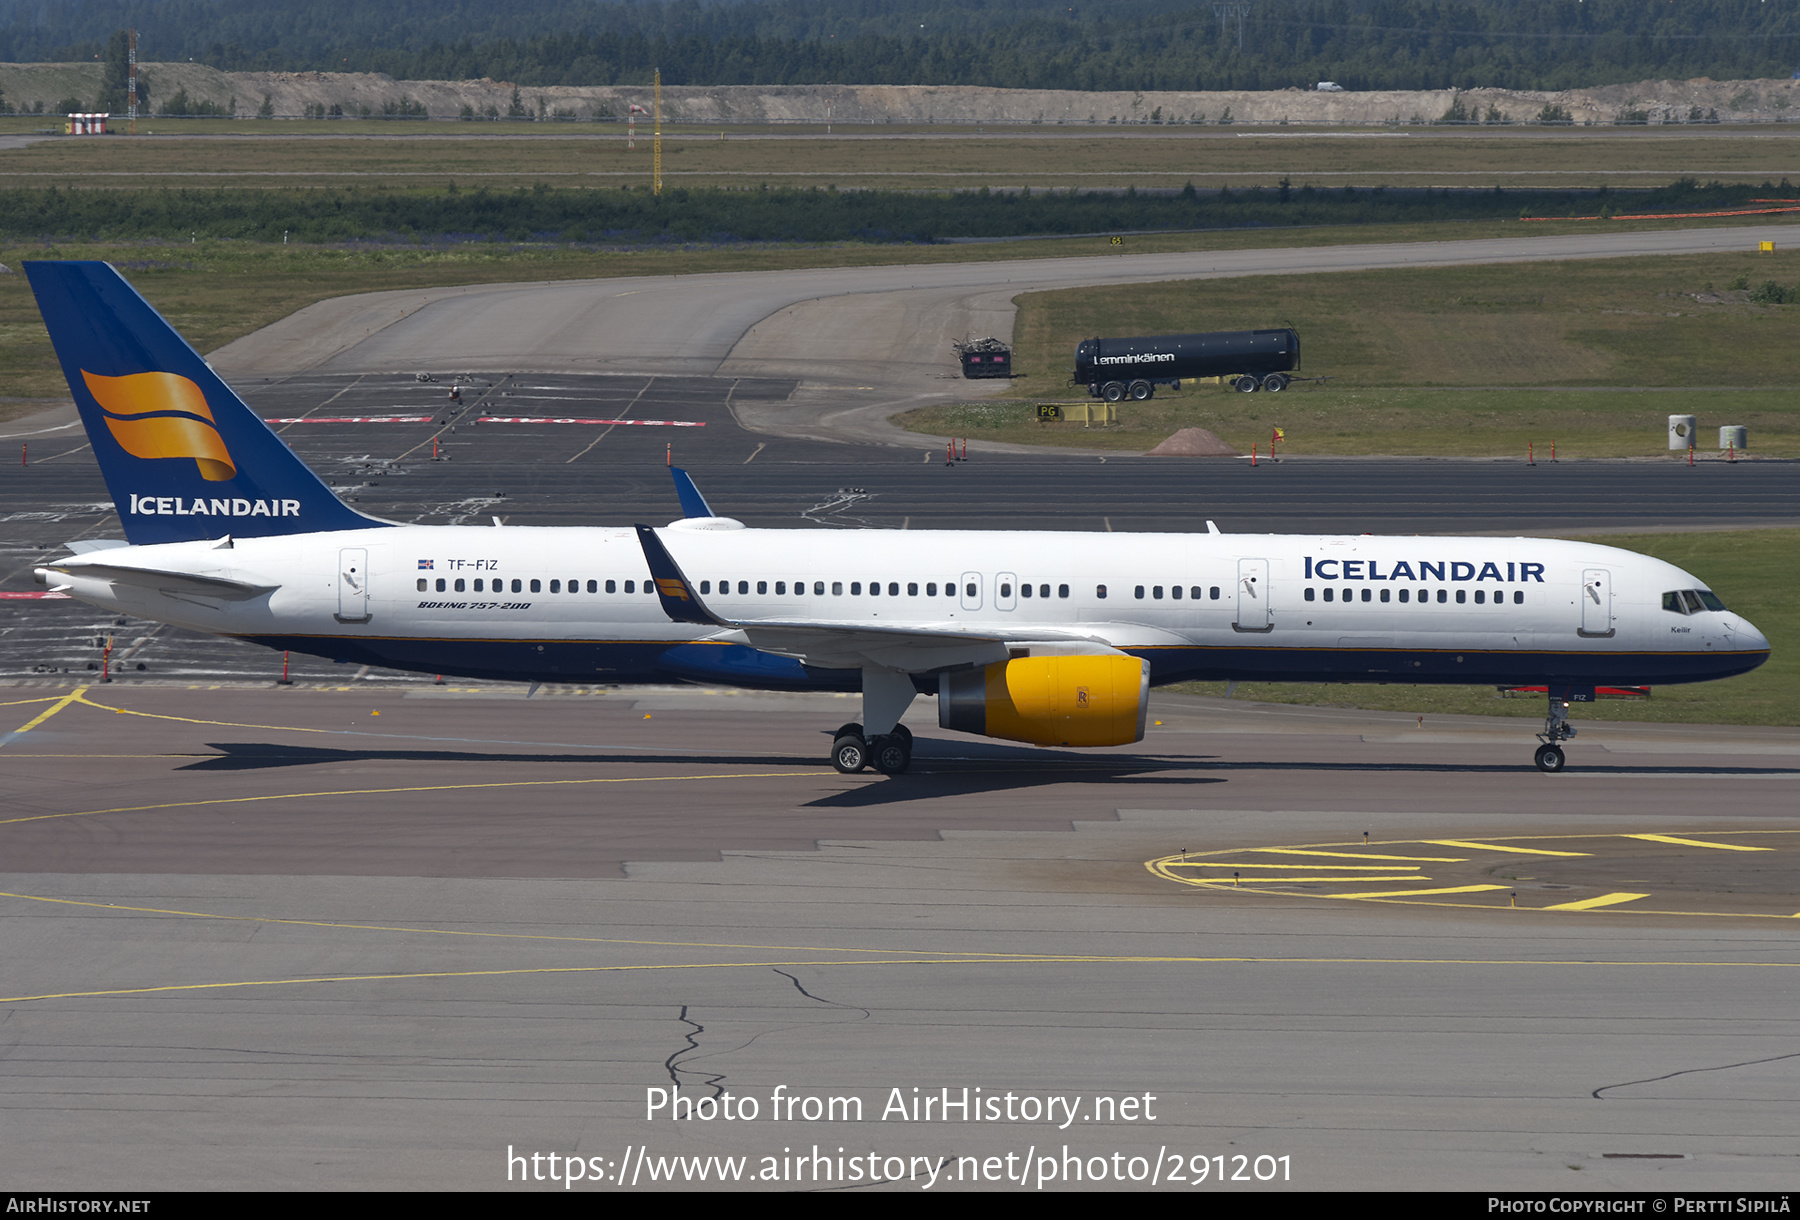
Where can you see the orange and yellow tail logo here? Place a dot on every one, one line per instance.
(672, 588)
(175, 423)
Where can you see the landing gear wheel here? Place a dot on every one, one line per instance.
(1141, 390)
(1245, 384)
(1113, 391)
(1275, 383)
(890, 754)
(848, 730)
(1550, 759)
(849, 754)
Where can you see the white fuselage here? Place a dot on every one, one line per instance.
(575, 604)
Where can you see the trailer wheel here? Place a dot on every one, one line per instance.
(1246, 384)
(1275, 383)
(1113, 391)
(1140, 390)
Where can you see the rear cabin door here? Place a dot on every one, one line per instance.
(353, 585)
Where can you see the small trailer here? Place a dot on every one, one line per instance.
(1252, 360)
(985, 358)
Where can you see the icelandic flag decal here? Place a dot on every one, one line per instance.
(425, 564)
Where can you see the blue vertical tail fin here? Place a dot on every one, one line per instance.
(183, 456)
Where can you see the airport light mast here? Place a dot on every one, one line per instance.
(656, 118)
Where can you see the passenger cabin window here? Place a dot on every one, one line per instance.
(421, 584)
(612, 586)
(459, 584)
(1062, 590)
(1100, 592)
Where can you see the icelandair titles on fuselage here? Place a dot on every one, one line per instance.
(180, 506)
(1352, 569)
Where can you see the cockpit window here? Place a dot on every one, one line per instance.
(1691, 601)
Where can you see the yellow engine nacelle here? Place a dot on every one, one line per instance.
(1050, 701)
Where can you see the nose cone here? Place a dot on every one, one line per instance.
(1748, 639)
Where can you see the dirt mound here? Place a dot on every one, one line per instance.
(1193, 442)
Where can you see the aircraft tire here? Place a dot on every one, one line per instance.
(1550, 759)
(849, 754)
(890, 755)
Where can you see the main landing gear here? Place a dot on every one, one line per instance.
(890, 753)
(1549, 757)
(887, 693)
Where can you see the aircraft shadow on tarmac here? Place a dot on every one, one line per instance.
(259, 756)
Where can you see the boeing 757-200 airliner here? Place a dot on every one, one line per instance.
(1049, 638)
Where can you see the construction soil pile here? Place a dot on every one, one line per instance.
(294, 94)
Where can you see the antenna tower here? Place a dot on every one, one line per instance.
(131, 93)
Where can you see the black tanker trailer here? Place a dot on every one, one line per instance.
(1114, 369)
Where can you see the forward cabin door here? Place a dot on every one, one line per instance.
(353, 585)
(1596, 603)
(1253, 611)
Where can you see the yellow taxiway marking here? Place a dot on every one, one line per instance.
(897, 960)
(1181, 868)
(74, 696)
(1457, 889)
(1259, 865)
(299, 796)
(1681, 842)
(1355, 855)
(1505, 849)
(584, 940)
(1228, 882)
(1589, 904)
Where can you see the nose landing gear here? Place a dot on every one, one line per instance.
(1549, 757)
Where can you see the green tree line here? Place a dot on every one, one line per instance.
(1128, 44)
(625, 217)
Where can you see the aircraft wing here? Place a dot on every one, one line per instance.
(848, 644)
